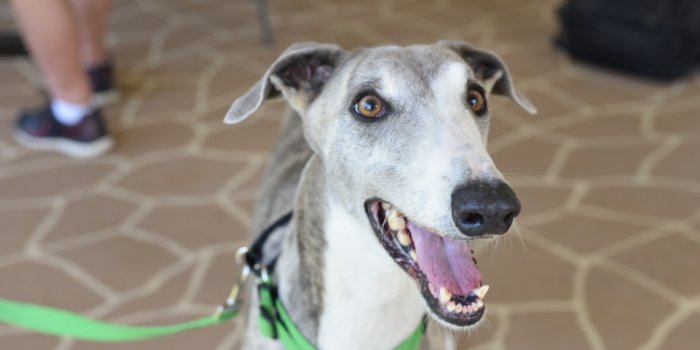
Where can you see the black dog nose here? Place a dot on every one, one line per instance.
(484, 208)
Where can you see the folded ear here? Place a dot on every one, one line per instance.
(491, 70)
(299, 74)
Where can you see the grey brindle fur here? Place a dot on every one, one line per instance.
(328, 163)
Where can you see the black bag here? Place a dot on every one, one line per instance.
(654, 38)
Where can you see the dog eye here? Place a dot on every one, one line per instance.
(369, 106)
(476, 101)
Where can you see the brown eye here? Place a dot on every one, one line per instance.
(369, 106)
(476, 101)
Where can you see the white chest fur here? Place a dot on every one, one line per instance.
(369, 301)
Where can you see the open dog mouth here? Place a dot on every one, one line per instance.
(448, 275)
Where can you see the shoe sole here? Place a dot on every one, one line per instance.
(81, 150)
(102, 99)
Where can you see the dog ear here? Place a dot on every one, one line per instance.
(491, 70)
(299, 74)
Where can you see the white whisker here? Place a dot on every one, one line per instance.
(520, 236)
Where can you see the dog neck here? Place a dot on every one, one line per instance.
(340, 287)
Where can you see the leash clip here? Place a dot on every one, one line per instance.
(232, 303)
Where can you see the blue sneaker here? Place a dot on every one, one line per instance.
(40, 130)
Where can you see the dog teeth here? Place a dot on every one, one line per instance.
(396, 222)
(458, 308)
(444, 295)
(404, 238)
(386, 206)
(481, 291)
(413, 255)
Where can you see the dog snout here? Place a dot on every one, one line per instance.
(484, 208)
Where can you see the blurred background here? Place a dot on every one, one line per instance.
(609, 246)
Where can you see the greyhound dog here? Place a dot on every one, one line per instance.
(383, 160)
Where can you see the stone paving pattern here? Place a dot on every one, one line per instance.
(605, 255)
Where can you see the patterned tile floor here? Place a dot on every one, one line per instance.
(609, 245)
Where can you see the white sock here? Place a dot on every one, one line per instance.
(70, 113)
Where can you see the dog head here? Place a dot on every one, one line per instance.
(402, 132)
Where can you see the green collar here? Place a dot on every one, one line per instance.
(275, 323)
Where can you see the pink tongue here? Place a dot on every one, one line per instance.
(445, 262)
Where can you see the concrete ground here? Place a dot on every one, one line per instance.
(608, 173)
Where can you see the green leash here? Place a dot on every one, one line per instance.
(274, 321)
(62, 323)
(52, 321)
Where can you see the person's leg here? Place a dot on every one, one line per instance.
(71, 124)
(50, 31)
(93, 23)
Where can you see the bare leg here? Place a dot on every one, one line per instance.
(70, 124)
(93, 24)
(50, 31)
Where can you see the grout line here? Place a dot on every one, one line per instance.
(647, 165)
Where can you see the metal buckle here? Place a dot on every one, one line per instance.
(240, 255)
(264, 275)
(232, 303)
